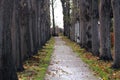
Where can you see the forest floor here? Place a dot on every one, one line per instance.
(36, 66)
(67, 65)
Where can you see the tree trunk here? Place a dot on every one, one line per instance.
(105, 45)
(88, 45)
(53, 19)
(24, 19)
(83, 23)
(15, 36)
(66, 17)
(116, 17)
(7, 67)
(94, 25)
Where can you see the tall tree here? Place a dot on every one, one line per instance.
(83, 23)
(105, 45)
(74, 14)
(88, 45)
(94, 25)
(7, 67)
(116, 17)
(15, 36)
(66, 18)
(53, 18)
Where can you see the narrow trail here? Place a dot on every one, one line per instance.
(65, 65)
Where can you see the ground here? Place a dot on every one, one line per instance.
(66, 65)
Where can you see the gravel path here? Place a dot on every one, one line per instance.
(65, 65)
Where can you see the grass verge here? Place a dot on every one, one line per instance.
(101, 69)
(36, 66)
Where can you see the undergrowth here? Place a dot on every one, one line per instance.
(101, 69)
(36, 66)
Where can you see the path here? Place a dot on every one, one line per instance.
(65, 65)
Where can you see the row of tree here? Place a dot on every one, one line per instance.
(95, 18)
(24, 29)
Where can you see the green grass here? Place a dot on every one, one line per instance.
(100, 68)
(36, 67)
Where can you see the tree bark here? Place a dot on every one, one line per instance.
(83, 23)
(7, 66)
(15, 36)
(66, 17)
(105, 45)
(116, 17)
(94, 25)
(53, 20)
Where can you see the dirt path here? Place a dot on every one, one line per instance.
(65, 65)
